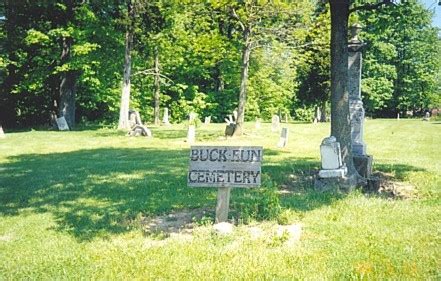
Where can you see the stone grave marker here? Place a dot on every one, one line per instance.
(426, 117)
(275, 123)
(207, 120)
(231, 126)
(165, 119)
(191, 134)
(398, 116)
(62, 124)
(283, 138)
(136, 126)
(332, 166)
(258, 124)
(224, 167)
(2, 133)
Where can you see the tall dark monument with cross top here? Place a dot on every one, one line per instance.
(362, 161)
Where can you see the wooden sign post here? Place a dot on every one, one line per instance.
(224, 167)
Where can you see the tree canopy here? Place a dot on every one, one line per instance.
(189, 56)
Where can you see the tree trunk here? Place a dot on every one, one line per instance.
(243, 83)
(157, 88)
(123, 123)
(323, 112)
(66, 107)
(340, 122)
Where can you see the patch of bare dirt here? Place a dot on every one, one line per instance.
(180, 222)
(385, 185)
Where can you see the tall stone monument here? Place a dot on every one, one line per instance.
(362, 161)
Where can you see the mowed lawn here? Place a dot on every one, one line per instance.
(72, 206)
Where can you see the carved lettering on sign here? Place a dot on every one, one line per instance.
(225, 166)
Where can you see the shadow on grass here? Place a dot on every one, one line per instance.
(100, 192)
(398, 171)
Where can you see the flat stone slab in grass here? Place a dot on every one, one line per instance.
(223, 228)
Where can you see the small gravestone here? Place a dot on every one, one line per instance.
(398, 116)
(332, 166)
(257, 125)
(229, 130)
(192, 117)
(165, 120)
(235, 115)
(136, 127)
(230, 118)
(207, 120)
(231, 125)
(62, 124)
(134, 118)
(286, 118)
(140, 130)
(275, 123)
(315, 121)
(283, 138)
(2, 133)
(191, 134)
(426, 117)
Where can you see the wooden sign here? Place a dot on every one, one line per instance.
(225, 166)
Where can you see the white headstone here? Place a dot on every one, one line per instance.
(235, 115)
(2, 133)
(330, 154)
(191, 134)
(332, 166)
(258, 124)
(62, 124)
(398, 116)
(165, 120)
(192, 116)
(207, 120)
(283, 138)
(275, 123)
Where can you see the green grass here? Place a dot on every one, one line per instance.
(70, 204)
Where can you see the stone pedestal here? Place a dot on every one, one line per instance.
(363, 164)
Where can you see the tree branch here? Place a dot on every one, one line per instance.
(370, 7)
(236, 17)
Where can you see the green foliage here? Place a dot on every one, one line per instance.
(200, 47)
(260, 204)
(398, 74)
